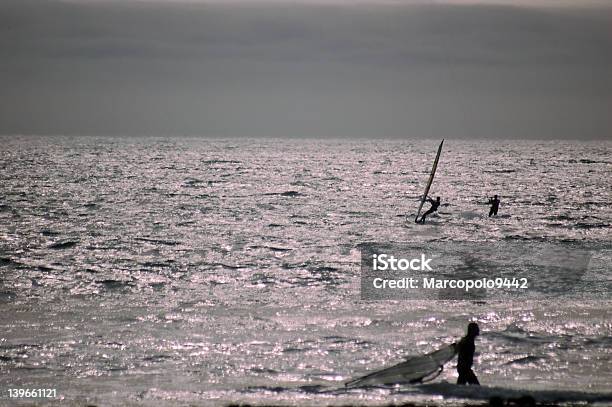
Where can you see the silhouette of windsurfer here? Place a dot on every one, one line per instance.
(494, 205)
(434, 208)
(466, 349)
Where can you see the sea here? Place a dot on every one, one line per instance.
(190, 271)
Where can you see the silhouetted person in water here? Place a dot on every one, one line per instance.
(494, 205)
(434, 208)
(466, 349)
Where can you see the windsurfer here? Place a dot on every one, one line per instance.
(494, 205)
(466, 349)
(434, 208)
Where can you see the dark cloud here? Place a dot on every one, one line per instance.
(295, 70)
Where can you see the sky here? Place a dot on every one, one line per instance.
(503, 69)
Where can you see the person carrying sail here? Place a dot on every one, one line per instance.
(434, 208)
(494, 205)
(465, 349)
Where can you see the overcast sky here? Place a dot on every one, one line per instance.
(299, 68)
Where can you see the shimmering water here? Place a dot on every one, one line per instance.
(162, 271)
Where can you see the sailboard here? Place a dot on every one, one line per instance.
(415, 369)
(430, 181)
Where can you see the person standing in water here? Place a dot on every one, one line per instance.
(494, 205)
(466, 349)
(434, 207)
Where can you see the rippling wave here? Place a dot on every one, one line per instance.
(223, 271)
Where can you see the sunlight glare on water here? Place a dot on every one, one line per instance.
(226, 271)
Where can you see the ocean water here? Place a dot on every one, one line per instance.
(173, 271)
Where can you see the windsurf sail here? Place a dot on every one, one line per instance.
(414, 370)
(429, 182)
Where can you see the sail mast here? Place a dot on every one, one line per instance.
(430, 181)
